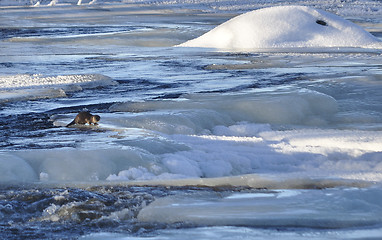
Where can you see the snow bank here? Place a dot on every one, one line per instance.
(284, 27)
(25, 86)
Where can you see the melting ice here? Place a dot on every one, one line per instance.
(285, 27)
(277, 136)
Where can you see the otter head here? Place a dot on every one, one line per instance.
(95, 118)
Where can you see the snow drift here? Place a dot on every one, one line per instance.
(285, 27)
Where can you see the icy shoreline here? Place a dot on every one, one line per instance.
(288, 154)
(193, 143)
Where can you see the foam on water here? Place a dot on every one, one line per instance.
(285, 27)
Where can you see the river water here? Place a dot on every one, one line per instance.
(193, 143)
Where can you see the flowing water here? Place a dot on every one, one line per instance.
(193, 143)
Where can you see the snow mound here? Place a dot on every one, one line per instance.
(285, 27)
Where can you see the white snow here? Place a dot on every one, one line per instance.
(36, 86)
(284, 27)
(38, 80)
(304, 208)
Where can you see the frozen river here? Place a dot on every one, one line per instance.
(268, 126)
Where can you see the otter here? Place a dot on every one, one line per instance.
(85, 117)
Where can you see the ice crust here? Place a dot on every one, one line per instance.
(291, 133)
(295, 154)
(316, 209)
(210, 136)
(36, 86)
(308, 163)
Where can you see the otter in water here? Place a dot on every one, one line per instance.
(85, 118)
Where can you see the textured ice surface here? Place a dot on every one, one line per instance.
(284, 27)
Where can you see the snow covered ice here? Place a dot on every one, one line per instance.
(219, 119)
(285, 27)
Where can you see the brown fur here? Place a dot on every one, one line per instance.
(85, 118)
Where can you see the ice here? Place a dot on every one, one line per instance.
(284, 134)
(37, 80)
(72, 165)
(277, 194)
(132, 173)
(30, 94)
(285, 27)
(267, 145)
(213, 136)
(198, 112)
(264, 154)
(278, 156)
(330, 208)
(15, 169)
(53, 2)
(231, 232)
(354, 143)
(229, 135)
(250, 195)
(36, 86)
